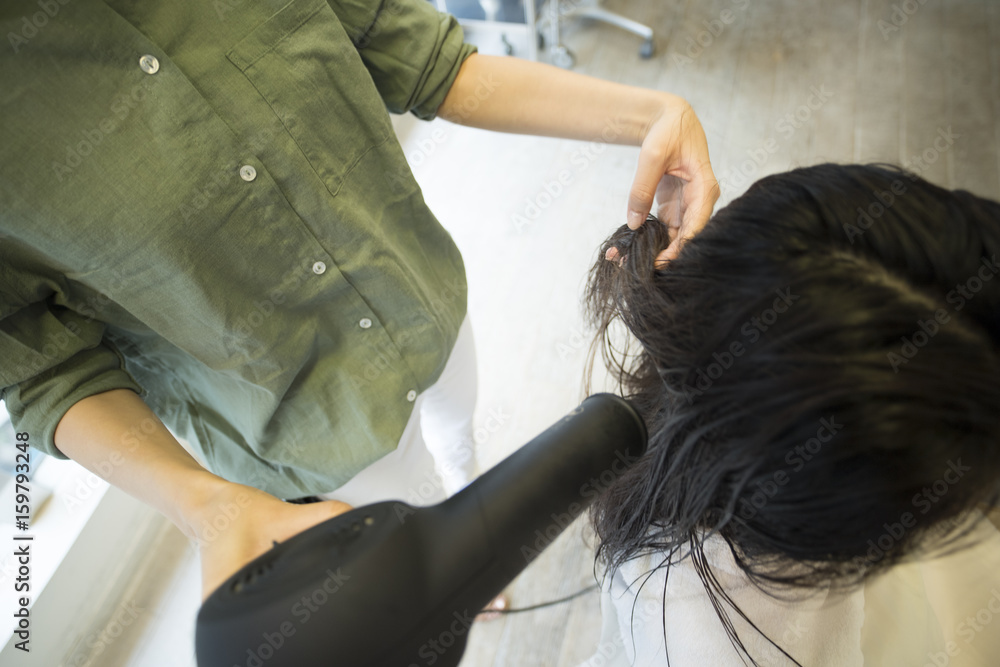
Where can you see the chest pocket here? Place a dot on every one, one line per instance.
(306, 67)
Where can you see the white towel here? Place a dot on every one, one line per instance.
(913, 615)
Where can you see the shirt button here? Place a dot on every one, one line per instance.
(319, 268)
(149, 64)
(365, 323)
(248, 173)
(411, 396)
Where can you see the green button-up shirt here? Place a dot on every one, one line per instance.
(205, 202)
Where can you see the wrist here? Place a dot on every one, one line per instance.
(202, 495)
(661, 105)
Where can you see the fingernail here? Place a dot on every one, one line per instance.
(611, 253)
(634, 219)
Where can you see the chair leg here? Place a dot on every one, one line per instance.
(563, 57)
(602, 14)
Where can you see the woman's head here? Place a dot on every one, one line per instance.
(818, 370)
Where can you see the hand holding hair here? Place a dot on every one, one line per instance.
(674, 166)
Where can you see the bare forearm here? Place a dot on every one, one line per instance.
(117, 437)
(512, 95)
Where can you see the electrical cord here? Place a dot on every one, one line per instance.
(533, 607)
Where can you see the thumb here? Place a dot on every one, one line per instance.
(312, 514)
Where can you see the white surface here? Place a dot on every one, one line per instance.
(75, 493)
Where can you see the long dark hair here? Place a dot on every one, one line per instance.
(818, 370)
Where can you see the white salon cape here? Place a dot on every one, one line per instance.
(942, 612)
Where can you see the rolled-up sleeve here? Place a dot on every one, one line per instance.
(50, 358)
(412, 51)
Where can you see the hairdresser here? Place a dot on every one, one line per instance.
(208, 225)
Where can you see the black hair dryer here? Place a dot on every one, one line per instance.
(389, 585)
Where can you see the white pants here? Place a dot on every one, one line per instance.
(436, 454)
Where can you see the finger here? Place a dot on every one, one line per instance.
(336, 507)
(612, 255)
(671, 213)
(672, 250)
(669, 197)
(667, 254)
(648, 173)
(700, 195)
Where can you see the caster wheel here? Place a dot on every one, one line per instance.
(562, 57)
(508, 48)
(647, 49)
